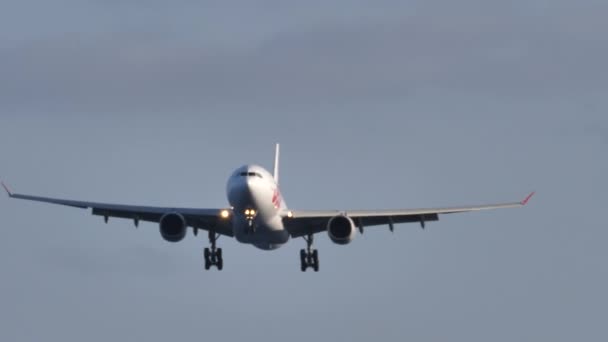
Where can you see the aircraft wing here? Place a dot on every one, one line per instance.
(196, 218)
(301, 223)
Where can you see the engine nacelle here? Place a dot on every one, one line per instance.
(341, 229)
(173, 227)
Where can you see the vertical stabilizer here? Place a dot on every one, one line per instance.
(276, 164)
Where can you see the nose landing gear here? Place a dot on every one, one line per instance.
(213, 255)
(250, 215)
(309, 257)
(250, 226)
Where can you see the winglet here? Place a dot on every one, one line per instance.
(527, 199)
(8, 191)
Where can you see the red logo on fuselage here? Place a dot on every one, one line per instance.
(276, 198)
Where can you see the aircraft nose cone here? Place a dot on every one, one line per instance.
(242, 193)
(251, 186)
(246, 188)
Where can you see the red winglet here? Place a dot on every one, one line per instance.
(527, 199)
(8, 191)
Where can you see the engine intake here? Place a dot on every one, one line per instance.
(173, 227)
(341, 229)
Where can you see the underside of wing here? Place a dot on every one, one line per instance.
(206, 219)
(301, 223)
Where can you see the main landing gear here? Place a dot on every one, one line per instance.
(309, 257)
(213, 255)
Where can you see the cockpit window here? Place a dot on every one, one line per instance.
(251, 174)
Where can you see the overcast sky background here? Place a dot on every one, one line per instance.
(383, 104)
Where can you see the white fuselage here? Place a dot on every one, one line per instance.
(251, 188)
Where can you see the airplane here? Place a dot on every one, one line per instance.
(258, 216)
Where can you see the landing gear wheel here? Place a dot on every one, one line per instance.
(219, 260)
(207, 259)
(315, 260)
(303, 263)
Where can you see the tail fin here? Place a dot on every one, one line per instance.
(276, 164)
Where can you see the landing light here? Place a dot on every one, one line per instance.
(224, 214)
(289, 214)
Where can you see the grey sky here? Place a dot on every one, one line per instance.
(377, 104)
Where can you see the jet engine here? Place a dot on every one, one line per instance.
(173, 227)
(341, 229)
